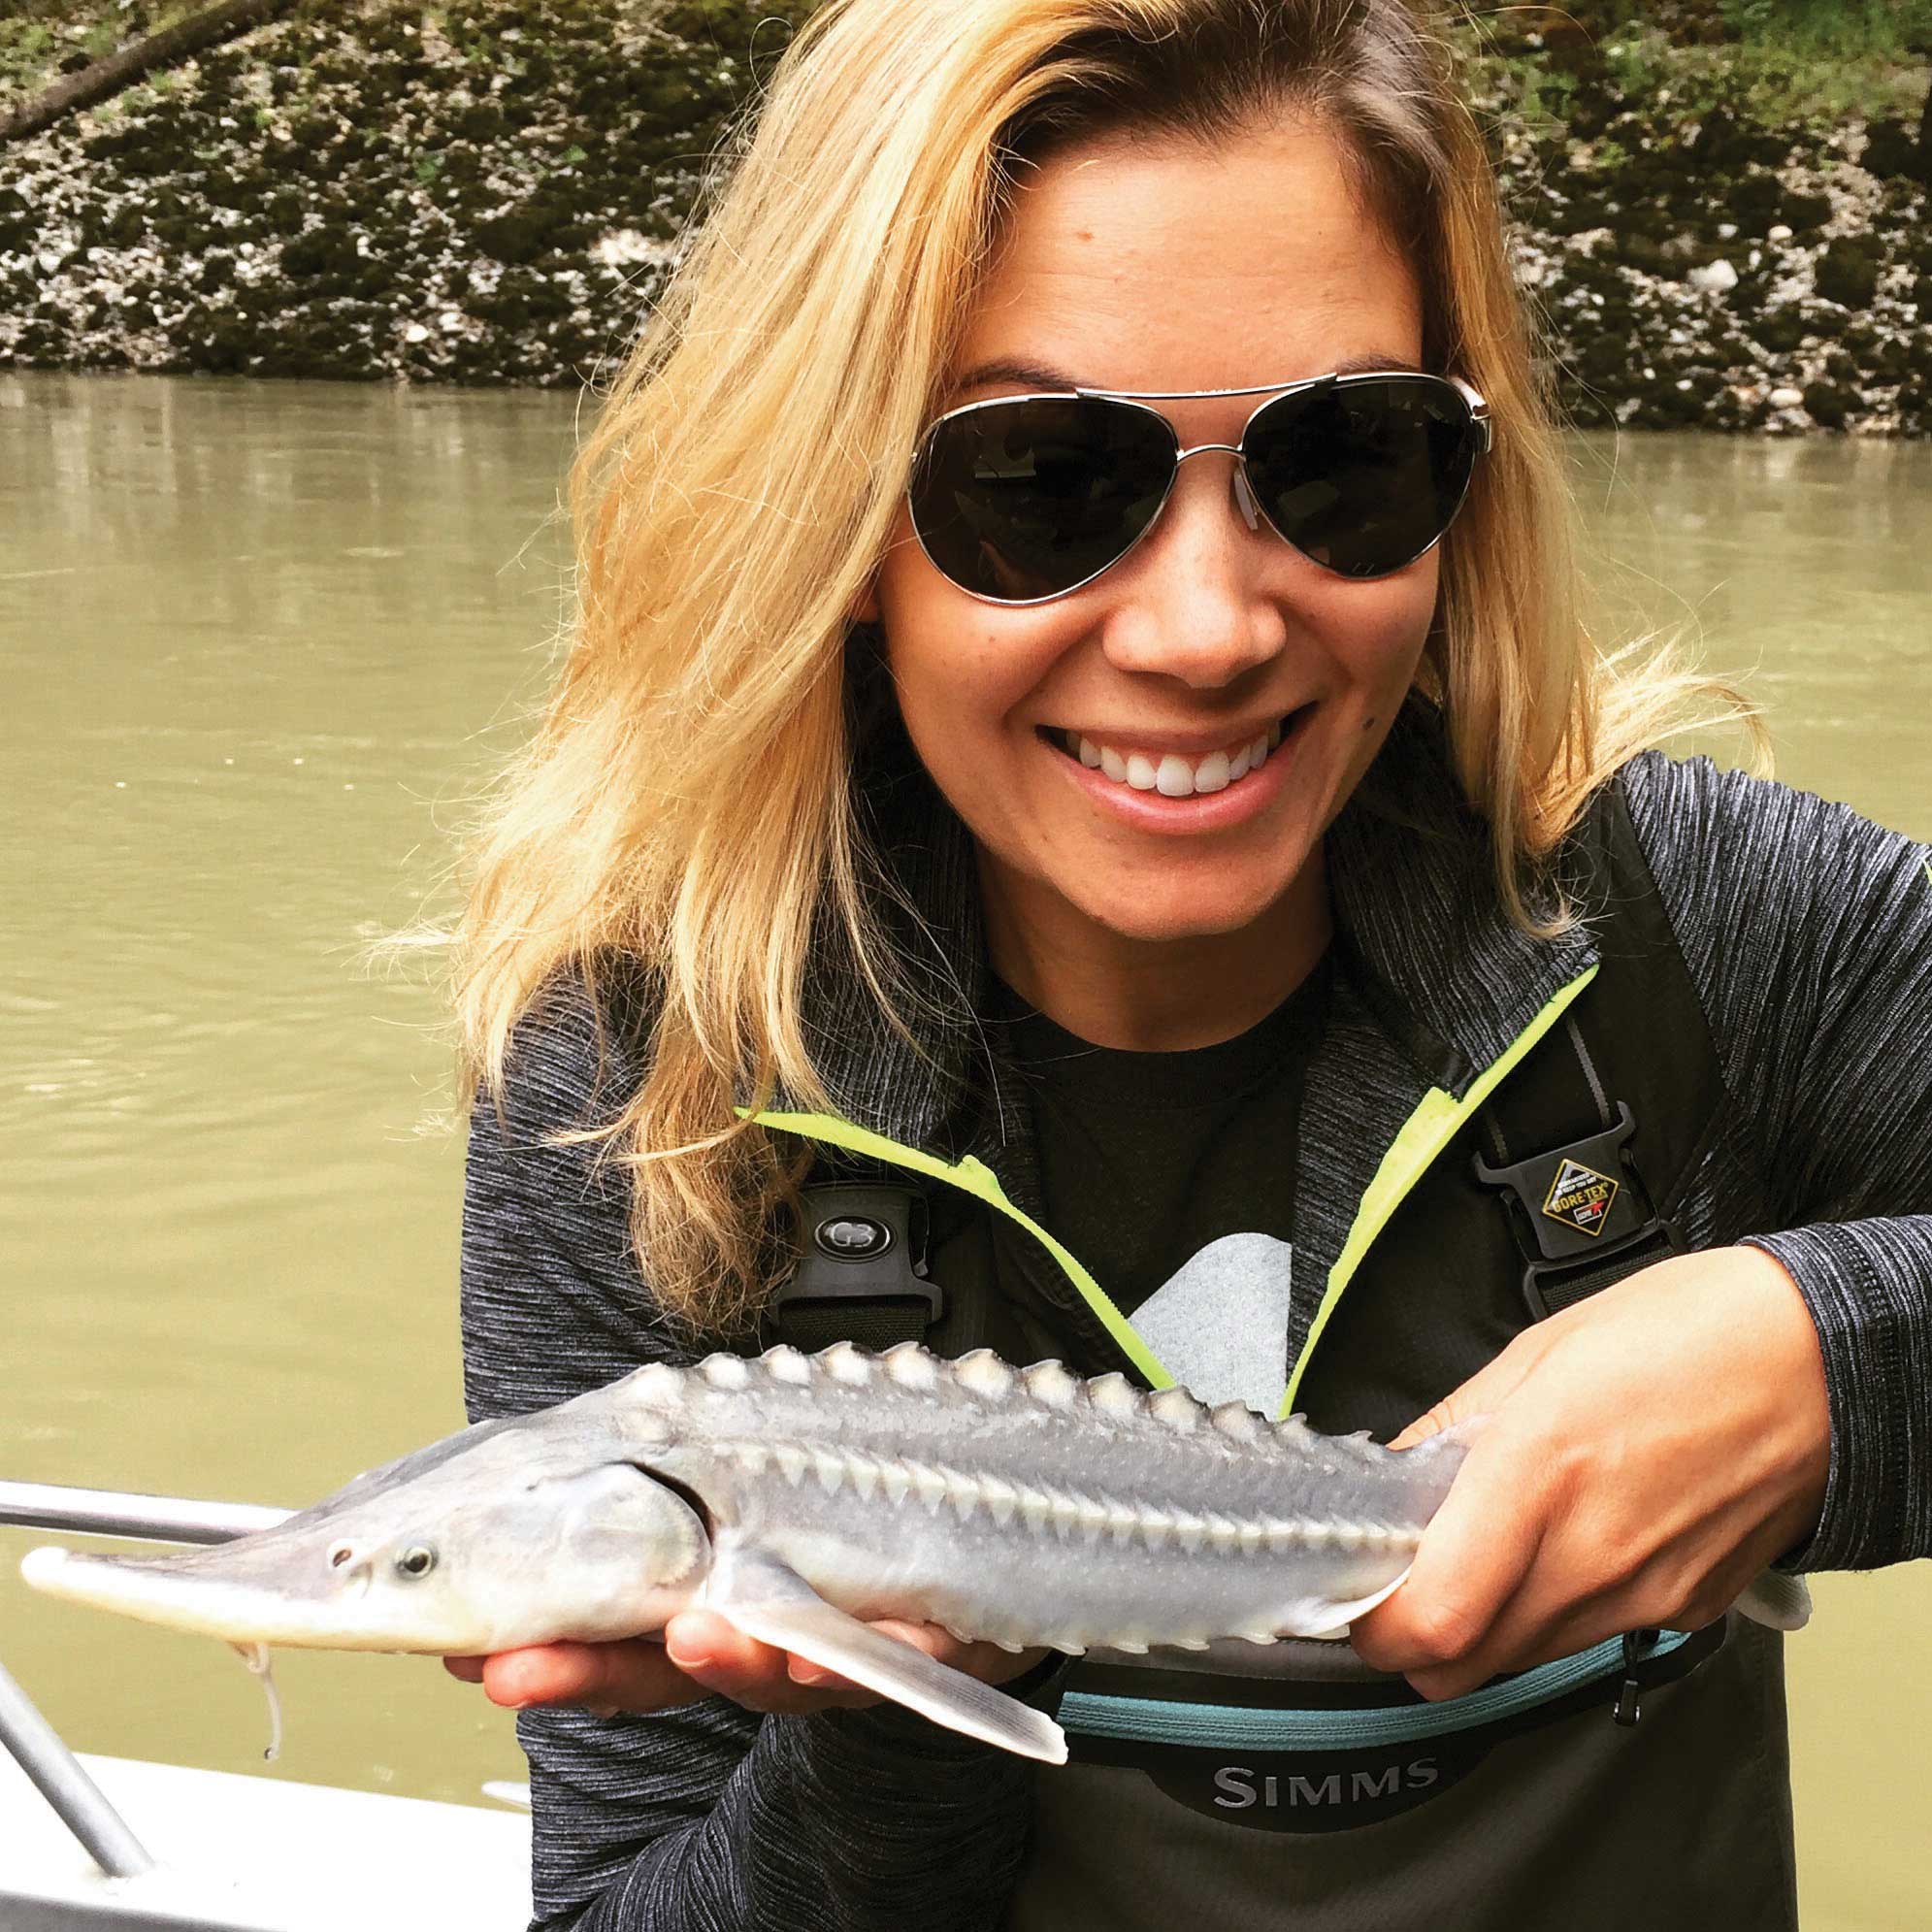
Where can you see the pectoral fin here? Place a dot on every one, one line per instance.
(772, 1604)
(1777, 1600)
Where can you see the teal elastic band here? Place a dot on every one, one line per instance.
(1153, 1721)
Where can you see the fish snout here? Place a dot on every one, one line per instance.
(271, 1586)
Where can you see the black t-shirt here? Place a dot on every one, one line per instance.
(1171, 1177)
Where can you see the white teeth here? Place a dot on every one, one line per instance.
(1168, 773)
(1175, 778)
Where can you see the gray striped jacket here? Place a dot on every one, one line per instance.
(1808, 933)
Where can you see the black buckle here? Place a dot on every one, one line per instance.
(863, 1243)
(1585, 1210)
(1626, 1710)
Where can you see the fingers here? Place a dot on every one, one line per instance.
(1485, 1392)
(712, 1653)
(990, 1662)
(708, 1655)
(1423, 1427)
(1525, 1563)
(632, 1675)
(1539, 1626)
(708, 1650)
(759, 1676)
(1472, 1560)
(1649, 1450)
(701, 1654)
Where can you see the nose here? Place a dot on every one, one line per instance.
(1188, 604)
(1244, 495)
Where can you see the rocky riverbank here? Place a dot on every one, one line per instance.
(491, 191)
(1711, 242)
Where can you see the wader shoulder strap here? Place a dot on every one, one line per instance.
(861, 1276)
(1587, 1146)
(873, 1234)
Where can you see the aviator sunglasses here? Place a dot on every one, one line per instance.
(1023, 499)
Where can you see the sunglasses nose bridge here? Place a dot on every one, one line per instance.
(1244, 495)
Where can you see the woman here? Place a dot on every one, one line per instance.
(1197, 802)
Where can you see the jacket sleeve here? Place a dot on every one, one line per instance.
(706, 1816)
(1808, 932)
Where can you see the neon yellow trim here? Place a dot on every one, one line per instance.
(977, 1179)
(1427, 1131)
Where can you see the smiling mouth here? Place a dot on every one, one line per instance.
(1172, 773)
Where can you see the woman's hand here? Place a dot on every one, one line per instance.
(1648, 1452)
(702, 1655)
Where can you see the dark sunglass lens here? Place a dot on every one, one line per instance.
(1025, 499)
(1363, 476)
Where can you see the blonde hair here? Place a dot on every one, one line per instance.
(742, 480)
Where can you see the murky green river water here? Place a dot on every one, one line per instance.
(259, 647)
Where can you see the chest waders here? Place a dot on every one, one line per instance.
(1645, 1777)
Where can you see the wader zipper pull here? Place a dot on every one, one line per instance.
(1627, 1711)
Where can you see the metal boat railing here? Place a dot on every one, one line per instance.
(34, 1744)
(119, 1513)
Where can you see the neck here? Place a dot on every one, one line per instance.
(1152, 996)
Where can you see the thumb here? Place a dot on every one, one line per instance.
(1453, 1412)
(1485, 1392)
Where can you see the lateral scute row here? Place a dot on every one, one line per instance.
(1044, 1510)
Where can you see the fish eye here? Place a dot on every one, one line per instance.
(418, 1560)
(342, 1554)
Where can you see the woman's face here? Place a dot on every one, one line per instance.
(1161, 267)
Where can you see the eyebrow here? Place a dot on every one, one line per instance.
(1044, 376)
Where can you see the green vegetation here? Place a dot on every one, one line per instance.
(27, 55)
(1802, 63)
(1857, 30)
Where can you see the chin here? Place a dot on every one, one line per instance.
(1184, 912)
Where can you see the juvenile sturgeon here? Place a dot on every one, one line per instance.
(801, 1496)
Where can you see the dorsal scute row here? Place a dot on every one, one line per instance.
(984, 1377)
